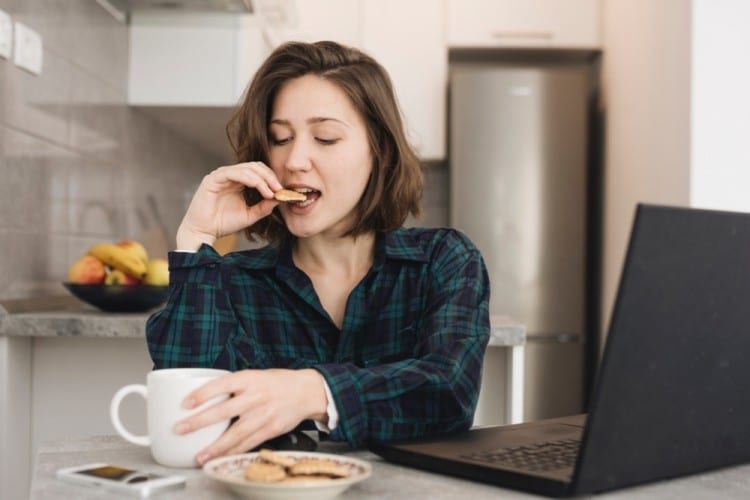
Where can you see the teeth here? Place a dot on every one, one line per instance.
(304, 203)
(304, 190)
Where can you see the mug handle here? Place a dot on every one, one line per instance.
(114, 413)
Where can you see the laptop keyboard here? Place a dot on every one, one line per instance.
(541, 457)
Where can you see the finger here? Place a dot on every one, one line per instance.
(209, 390)
(242, 436)
(219, 412)
(259, 176)
(254, 175)
(261, 209)
(267, 174)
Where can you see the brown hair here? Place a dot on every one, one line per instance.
(394, 189)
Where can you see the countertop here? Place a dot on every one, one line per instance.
(388, 481)
(68, 318)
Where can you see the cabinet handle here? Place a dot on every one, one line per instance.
(535, 35)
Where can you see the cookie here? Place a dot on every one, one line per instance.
(306, 479)
(264, 472)
(289, 195)
(276, 458)
(309, 466)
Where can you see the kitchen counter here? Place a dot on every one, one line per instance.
(387, 482)
(58, 355)
(66, 316)
(85, 321)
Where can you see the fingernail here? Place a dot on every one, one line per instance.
(203, 457)
(189, 403)
(182, 428)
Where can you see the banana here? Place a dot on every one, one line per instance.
(119, 258)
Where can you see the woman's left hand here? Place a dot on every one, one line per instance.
(267, 402)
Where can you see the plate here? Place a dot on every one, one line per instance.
(120, 298)
(230, 471)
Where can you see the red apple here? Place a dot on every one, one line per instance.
(87, 270)
(117, 277)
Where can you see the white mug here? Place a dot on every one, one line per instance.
(164, 393)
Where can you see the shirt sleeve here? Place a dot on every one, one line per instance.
(197, 323)
(333, 415)
(436, 391)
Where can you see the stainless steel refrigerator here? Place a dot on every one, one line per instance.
(518, 152)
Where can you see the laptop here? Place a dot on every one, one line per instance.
(670, 398)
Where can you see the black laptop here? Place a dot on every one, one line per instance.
(671, 394)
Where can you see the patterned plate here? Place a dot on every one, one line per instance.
(230, 471)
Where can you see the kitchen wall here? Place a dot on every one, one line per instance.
(646, 92)
(675, 90)
(76, 164)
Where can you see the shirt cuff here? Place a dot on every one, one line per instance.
(333, 414)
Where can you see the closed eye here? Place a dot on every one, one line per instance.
(326, 142)
(280, 142)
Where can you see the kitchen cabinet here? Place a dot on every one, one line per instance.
(195, 62)
(192, 59)
(407, 38)
(523, 23)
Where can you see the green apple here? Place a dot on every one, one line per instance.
(157, 272)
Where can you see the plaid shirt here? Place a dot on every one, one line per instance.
(407, 361)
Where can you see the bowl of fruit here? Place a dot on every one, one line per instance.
(119, 277)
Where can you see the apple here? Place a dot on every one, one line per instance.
(134, 248)
(117, 277)
(157, 272)
(87, 270)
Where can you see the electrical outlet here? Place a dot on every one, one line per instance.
(6, 35)
(28, 49)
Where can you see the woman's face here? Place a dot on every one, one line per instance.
(319, 144)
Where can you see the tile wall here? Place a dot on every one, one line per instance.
(78, 166)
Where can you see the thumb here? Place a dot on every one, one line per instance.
(260, 210)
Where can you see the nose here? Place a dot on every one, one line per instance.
(299, 156)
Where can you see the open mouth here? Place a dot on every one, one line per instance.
(311, 196)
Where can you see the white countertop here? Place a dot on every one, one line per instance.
(86, 321)
(388, 481)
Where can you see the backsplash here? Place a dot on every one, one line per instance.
(78, 166)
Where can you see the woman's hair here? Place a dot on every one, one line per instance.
(394, 189)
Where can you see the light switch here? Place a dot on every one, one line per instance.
(6, 35)
(28, 49)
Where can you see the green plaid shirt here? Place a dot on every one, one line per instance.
(406, 363)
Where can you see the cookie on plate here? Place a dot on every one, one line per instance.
(264, 472)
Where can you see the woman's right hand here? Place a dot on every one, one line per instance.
(218, 207)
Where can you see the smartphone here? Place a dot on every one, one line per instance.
(120, 479)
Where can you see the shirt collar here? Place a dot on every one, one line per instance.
(394, 245)
(401, 245)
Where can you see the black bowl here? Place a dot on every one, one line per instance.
(120, 298)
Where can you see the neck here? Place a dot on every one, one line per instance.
(348, 256)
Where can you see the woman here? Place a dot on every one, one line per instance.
(373, 331)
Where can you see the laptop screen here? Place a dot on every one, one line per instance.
(671, 397)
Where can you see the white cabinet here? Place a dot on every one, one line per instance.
(407, 38)
(192, 59)
(523, 23)
(206, 60)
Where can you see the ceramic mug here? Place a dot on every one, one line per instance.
(164, 393)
